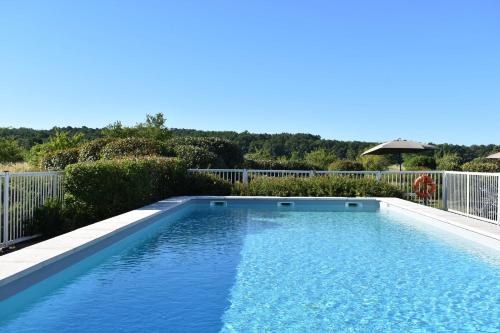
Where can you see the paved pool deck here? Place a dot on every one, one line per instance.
(51, 255)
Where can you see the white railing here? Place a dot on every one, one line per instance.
(473, 194)
(20, 194)
(402, 179)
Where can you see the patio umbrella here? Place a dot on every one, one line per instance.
(399, 147)
(496, 156)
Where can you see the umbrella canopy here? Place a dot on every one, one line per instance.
(497, 155)
(399, 147)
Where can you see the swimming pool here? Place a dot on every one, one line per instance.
(252, 266)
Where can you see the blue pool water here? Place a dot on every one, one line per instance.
(262, 269)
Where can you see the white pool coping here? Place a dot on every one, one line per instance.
(20, 264)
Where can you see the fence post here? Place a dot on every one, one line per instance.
(445, 190)
(6, 209)
(498, 201)
(378, 175)
(245, 176)
(467, 192)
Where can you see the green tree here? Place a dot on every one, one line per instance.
(449, 162)
(321, 158)
(375, 162)
(59, 141)
(419, 162)
(154, 128)
(10, 151)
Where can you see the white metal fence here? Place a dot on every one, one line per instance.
(20, 194)
(473, 194)
(402, 179)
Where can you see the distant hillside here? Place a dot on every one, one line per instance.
(275, 145)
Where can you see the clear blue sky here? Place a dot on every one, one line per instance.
(367, 70)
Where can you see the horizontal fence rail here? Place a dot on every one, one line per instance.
(473, 194)
(20, 194)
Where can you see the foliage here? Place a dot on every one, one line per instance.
(91, 150)
(332, 186)
(28, 137)
(375, 162)
(278, 165)
(197, 157)
(320, 158)
(481, 165)
(60, 141)
(134, 146)
(59, 159)
(10, 151)
(229, 153)
(449, 162)
(111, 187)
(418, 162)
(154, 129)
(346, 165)
(206, 184)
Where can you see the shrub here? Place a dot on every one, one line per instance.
(134, 147)
(278, 165)
(419, 162)
(59, 159)
(91, 150)
(10, 151)
(206, 184)
(335, 186)
(449, 162)
(59, 141)
(481, 165)
(111, 187)
(320, 158)
(55, 217)
(346, 165)
(196, 157)
(229, 152)
(375, 162)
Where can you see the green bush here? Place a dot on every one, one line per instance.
(197, 157)
(10, 151)
(206, 184)
(481, 166)
(59, 141)
(375, 162)
(55, 217)
(449, 162)
(134, 147)
(111, 187)
(58, 160)
(91, 150)
(329, 186)
(419, 162)
(278, 165)
(229, 153)
(320, 158)
(346, 165)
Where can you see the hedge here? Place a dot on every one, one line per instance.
(91, 150)
(58, 160)
(111, 187)
(197, 157)
(135, 147)
(346, 165)
(278, 165)
(319, 186)
(230, 153)
(481, 167)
